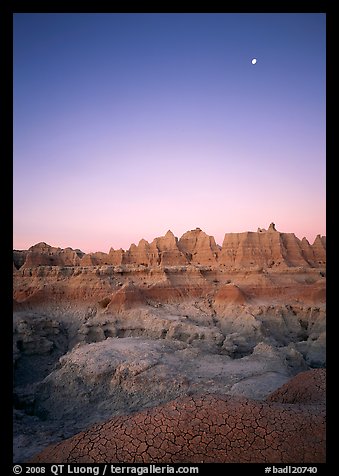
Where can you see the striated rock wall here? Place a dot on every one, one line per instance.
(270, 248)
(168, 251)
(264, 248)
(43, 254)
(251, 249)
(199, 248)
(319, 248)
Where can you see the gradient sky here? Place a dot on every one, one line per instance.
(127, 125)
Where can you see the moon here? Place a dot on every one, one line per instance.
(254, 60)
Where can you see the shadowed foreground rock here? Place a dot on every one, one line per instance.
(207, 428)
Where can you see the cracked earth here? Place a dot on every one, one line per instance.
(210, 428)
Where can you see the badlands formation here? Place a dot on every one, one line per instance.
(179, 350)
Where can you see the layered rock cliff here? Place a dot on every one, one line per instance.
(43, 254)
(271, 248)
(264, 248)
(199, 248)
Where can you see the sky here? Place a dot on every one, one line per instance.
(127, 125)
